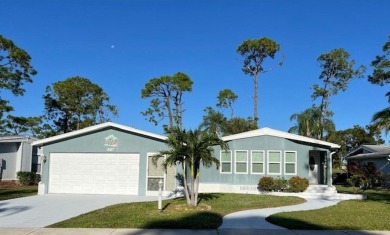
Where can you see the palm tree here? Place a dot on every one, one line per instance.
(381, 119)
(191, 149)
(310, 124)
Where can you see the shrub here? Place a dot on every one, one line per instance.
(266, 183)
(37, 179)
(280, 184)
(27, 178)
(365, 175)
(298, 184)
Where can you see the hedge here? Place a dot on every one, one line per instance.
(27, 178)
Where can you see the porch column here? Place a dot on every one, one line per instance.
(329, 180)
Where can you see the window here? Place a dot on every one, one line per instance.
(257, 161)
(241, 162)
(155, 173)
(274, 162)
(290, 162)
(226, 161)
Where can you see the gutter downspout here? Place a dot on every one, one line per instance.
(330, 170)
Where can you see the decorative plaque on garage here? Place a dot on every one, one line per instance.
(111, 142)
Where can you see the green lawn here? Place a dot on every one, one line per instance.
(15, 192)
(208, 215)
(370, 214)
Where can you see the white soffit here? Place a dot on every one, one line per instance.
(271, 132)
(96, 128)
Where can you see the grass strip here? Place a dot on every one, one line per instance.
(370, 214)
(176, 214)
(16, 192)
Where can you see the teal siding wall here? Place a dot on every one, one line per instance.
(265, 143)
(94, 143)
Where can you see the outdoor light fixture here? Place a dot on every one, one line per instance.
(44, 158)
(160, 185)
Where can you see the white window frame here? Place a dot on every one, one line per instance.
(257, 151)
(295, 163)
(231, 161)
(280, 162)
(155, 177)
(235, 162)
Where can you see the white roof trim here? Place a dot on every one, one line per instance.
(17, 138)
(281, 134)
(95, 128)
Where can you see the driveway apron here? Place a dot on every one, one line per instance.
(43, 210)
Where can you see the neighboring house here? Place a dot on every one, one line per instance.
(114, 159)
(17, 154)
(377, 154)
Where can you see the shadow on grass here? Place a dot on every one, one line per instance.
(297, 224)
(198, 220)
(166, 206)
(372, 195)
(202, 197)
(379, 196)
(208, 196)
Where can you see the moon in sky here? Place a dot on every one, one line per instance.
(112, 46)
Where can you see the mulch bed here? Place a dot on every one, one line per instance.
(8, 183)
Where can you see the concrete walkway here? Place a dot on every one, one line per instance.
(255, 219)
(105, 231)
(240, 223)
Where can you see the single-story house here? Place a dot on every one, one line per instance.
(114, 159)
(17, 154)
(377, 154)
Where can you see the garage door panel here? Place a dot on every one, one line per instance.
(87, 173)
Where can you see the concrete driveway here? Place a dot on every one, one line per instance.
(43, 210)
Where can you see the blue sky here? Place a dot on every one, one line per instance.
(122, 44)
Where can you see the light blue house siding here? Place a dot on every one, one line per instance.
(264, 144)
(94, 142)
(114, 159)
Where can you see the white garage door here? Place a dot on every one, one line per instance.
(94, 173)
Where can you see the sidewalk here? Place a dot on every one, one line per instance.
(239, 223)
(105, 231)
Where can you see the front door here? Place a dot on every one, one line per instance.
(316, 167)
(313, 169)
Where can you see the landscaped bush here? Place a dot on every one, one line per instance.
(272, 184)
(266, 183)
(27, 178)
(280, 184)
(295, 184)
(298, 184)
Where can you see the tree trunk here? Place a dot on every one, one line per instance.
(197, 179)
(185, 184)
(170, 115)
(192, 184)
(256, 97)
